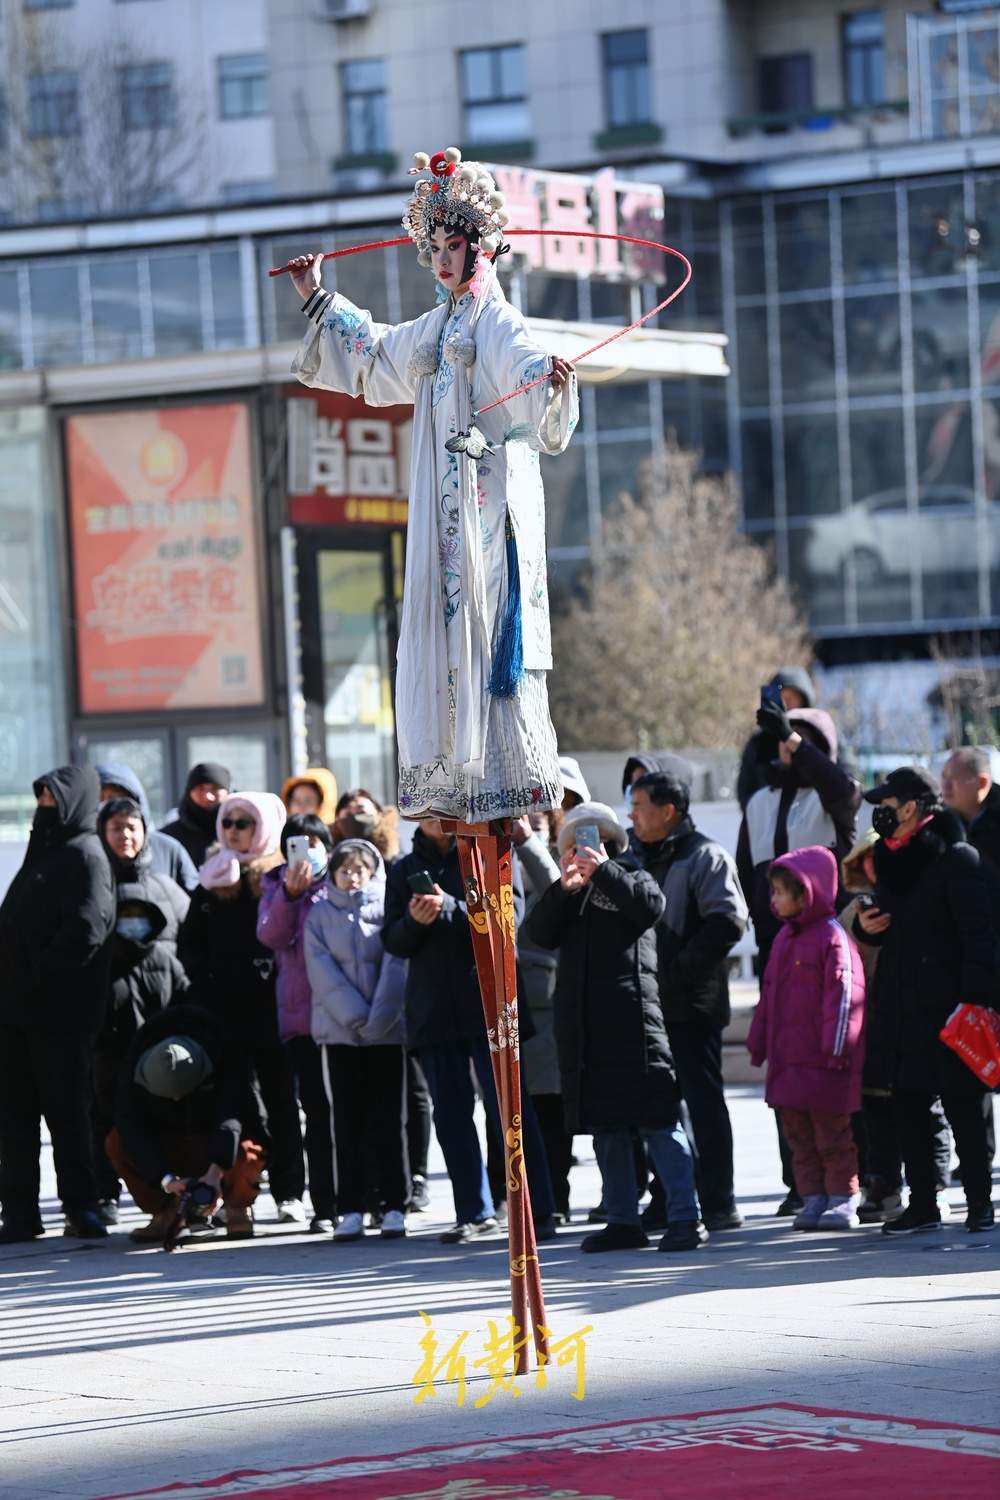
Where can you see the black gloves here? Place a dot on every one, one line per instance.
(773, 720)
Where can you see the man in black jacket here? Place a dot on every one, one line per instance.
(705, 915)
(967, 787)
(933, 927)
(184, 1103)
(56, 924)
(194, 826)
(446, 1028)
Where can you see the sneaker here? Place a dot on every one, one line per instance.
(687, 1234)
(17, 1232)
(239, 1223)
(85, 1225)
(349, 1227)
(789, 1205)
(725, 1218)
(875, 1210)
(321, 1224)
(840, 1213)
(420, 1198)
(980, 1220)
(913, 1221)
(156, 1231)
(598, 1215)
(811, 1212)
(653, 1217)
(393, 1224)
(500, 1212)
(943, 1207)
(107, 1211)
(461, 1234)
(291, 1211)
(615, 1237)
(545, 1229)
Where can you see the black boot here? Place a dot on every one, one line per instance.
(85, 1224)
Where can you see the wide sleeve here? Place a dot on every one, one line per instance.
(344, 349)
(543, 417)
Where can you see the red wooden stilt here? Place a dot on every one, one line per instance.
(486, 858)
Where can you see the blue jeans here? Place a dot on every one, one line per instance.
(670, 1155)
(449, 1078)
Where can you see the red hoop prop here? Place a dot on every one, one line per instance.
(563, 234)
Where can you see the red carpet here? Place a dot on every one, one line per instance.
(740, 1454)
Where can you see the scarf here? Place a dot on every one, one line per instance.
(268, 813)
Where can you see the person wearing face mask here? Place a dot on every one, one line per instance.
(288, 894)
(234, 975)
(358, 991)
(933, 926)
(362, 816)
(194, 826)
(809, 801)
(122, 827)
(56, 926)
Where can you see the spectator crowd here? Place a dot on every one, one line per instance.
(268, 985)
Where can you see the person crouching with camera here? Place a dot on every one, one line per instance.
(183, 1099)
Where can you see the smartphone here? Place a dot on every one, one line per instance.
(420, 883)
(297, 848)
(588, 836)
(770, 697)
(867, 902)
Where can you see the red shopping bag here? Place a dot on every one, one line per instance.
(973, 1031)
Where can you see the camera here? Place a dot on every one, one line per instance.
(200, 1194)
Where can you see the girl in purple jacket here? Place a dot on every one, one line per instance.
(288, 895)
(808, 1027)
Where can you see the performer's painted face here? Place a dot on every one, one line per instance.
(449, 252)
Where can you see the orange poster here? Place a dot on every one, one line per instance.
(164, 559)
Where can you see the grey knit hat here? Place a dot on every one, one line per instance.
(613, 835)
(173, 1068)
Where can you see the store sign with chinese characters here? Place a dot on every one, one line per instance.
(604, 204)
(348, 463)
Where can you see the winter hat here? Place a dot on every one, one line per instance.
(268, 814)
(323, 782)
(173, 1068)
(613, 835)
(211, 772)
(573, 779)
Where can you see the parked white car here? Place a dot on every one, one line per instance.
(878, 535)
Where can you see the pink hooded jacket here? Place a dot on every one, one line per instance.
(808, 1025)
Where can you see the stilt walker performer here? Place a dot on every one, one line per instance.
(476, 743)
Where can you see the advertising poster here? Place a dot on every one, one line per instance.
(164, 559)
(347, 462)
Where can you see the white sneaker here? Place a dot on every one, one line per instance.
(944, 1207)
(393, 1225)
(841, 1213)
(291, 1211)
(809, 1215)
(350, 1227)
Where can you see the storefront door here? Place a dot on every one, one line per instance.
(349, 585)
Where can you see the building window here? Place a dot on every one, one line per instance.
(244, 85)
(494, 94)
(626, 78)
(53, 103)
(863, 57)
(48, 4)
(366, 114)
(148, 99)
(258, 191)
(786, 83)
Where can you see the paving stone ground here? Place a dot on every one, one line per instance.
(123, 1367)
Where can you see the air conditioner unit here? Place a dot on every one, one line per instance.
(346, 10)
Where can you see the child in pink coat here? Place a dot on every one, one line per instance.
(808, 1026)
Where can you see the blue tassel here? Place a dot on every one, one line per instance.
(508, 648)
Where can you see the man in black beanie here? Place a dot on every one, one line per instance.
(194, 827)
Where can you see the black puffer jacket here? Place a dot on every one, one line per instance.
(144, 880)
(58, 915)
(145, 977)
(194, 826)
(220, 1110)
(614, 1059)
(939, 950)
(231, 973)
(984, 836)
(443, 1002)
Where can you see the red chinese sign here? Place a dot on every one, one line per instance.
(347, 462)
(164, 566)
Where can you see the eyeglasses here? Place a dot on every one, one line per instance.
(239, 823)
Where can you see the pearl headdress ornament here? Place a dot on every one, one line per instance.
(460, 195)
